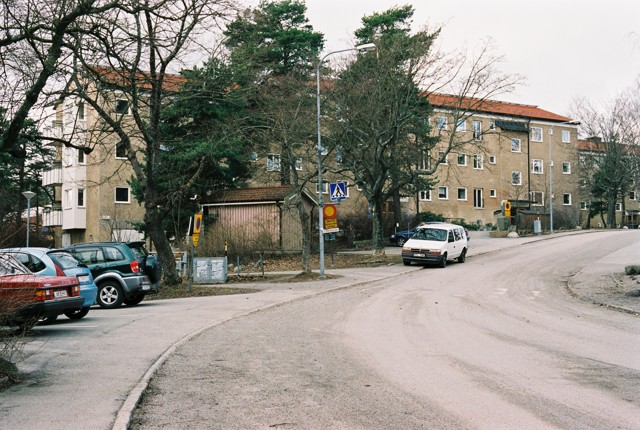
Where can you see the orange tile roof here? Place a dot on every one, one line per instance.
(244, 195)
(171, 83)
(494, 107)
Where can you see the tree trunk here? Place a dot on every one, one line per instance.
(378, 230)
(305, 227)
(153, 221)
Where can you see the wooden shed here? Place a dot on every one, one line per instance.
(256, 219)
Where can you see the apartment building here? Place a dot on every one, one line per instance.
(93, 199)
(508, 152)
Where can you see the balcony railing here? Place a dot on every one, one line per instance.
(52, 218)
(52, 176)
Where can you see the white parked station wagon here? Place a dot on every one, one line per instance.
(435, 244)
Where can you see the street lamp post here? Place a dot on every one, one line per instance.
(28, 195)
(551, 170)
(360, 48)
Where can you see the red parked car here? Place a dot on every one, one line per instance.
(25, 297)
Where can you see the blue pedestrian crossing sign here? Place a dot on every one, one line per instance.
(338, 191)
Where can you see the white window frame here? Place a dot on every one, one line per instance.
(464, 159)
(115, 195)
(514, 175)
(478, 198)
(441, 122)
(493, 159)
(273, 162)
(516, 145)
(298, 165)
(121, 145)
(81, 192)
(446, 157)
(478, 162)
(537, 166)
(424, 195)
(81, 111)
(425, 161)
(632, 195)
(325, 187)
(493, 193)
(464, 193)
(583, 206)
(533, 200)
(564, 199)
(477, 130)
(68, 198)
(461, 126)
(116, 110)
(537, 134)
(618, 207)
(566, 168)
(566, 136)
(446, 193)
(82, 158)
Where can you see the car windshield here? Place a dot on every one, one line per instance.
(10, 266)
(65, 260)
(431, 234)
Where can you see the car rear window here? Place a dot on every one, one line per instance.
(64, 259)
(139, 252)
(11, 266)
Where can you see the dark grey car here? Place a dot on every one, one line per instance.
(124, 272)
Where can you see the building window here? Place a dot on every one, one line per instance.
(424, 195)
(536, 134)
(582, 182)
(273, 163)
(478, 162)
(443, 193)
(122, 106)
(618, 207)
(80, 156)
(122, 195)
(493, 159)
(441, 123)
(566, 199)
(537, 198)
(325, 187)
(632, 195)
(121, 150)
(583, 206)
(299, 163)
(80, 197)
(537, 166)
(566, 136)
(81, 111)
(516, 145)
(516, 178)
(442, 157)
(462, 194)
(566, 168)
(425, 161)
(478, 201)
(477, 130)
(253, 156)
(461, 125)
(68, 199)
(493, 193)
(462, 159)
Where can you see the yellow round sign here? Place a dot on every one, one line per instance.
(329, 211)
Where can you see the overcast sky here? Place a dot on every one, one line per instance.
(565, 49)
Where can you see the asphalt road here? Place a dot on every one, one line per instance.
(503, 347)
(495, 343)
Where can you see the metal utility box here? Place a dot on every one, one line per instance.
(210, 270)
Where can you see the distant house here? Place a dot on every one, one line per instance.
(256, 219)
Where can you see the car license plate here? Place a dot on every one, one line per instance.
(418, 255)
(83, 278)
(146, 287)
(60, 293)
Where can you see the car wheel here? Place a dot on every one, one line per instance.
(406, 262)
(463, 256)
(401, 241)
(48, 319)
(109, 295)
(133, 301)
(443, 263)
(77, 314)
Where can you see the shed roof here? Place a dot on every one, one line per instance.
(250, 195)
